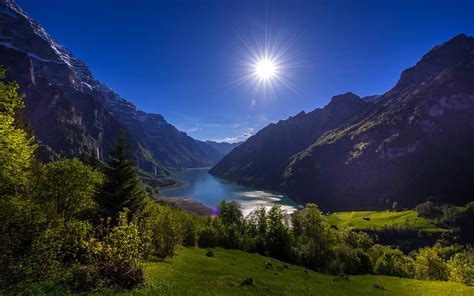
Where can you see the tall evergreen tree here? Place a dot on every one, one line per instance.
(122, 187)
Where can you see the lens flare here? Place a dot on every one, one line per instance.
(266, 66)
(265, 69)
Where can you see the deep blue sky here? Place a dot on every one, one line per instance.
(178, 58)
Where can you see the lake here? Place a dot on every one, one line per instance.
(209, 190)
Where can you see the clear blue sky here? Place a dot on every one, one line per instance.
(178, 58)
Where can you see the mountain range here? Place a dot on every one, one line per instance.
(73, 114)
(411, 144)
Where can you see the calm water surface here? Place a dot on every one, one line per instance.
(209, 190)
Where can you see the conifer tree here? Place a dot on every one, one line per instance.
(122, 187)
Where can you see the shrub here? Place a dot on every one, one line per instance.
(118, 258)
(68, 187)
(207, 238)
(428, 209)
(167, 233)
(357, 239)
(212, 234)
(430, 266)
(461, 268)
(190, 235)
(232, 237)
(393, 262)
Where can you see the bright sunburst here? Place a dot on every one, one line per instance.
(266, 66)
(265, 69)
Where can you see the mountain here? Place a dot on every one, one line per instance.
(72, 113)
(215, 151)
(411, 144)
(223, 148)
(261, 160)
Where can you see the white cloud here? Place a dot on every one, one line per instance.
(195, 129)
(247, 133)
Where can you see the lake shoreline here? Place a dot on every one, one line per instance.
(187, 204)
(179, 183)
(197, 190)
(175, 186)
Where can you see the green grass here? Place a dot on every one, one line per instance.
(193, 273)
(379, 220)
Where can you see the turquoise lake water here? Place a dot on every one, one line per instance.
(209, 190)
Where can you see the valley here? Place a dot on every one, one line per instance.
(176, 172)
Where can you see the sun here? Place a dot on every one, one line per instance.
(266, 69)
(266, 66)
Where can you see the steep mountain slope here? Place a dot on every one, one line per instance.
(261, 160)
(417, 142)
(413, 143)
(73, 113)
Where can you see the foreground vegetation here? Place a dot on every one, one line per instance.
(71, 226)
(194, 273)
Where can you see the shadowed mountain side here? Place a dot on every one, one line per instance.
(411, 144)
(72, 113)
(261, 160)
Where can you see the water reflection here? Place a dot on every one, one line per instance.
(210, 190)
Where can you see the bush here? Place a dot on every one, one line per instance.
(430, 266)
(68, 187)
(167, 233)
(212, 234)
(392, 262)
(190, 235)
(119, 255)
(232, 237)
(210, 253)
(461, 268)
(428, 209)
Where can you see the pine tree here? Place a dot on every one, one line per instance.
(122, 187)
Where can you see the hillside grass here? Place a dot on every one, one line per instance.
(380, 220)
(193, 273)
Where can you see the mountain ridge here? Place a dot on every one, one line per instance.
(278, 141)
(408, 145)
(73, 113)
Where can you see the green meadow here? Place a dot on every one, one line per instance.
(191, 272)
(379, 220)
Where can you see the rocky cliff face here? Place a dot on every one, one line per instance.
(413, 143)
(73, 113)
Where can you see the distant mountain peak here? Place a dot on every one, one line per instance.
(345, 98)
(456, 51)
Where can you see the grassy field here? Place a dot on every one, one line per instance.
(379, 220)
(193, 273)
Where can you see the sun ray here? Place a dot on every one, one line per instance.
(265, 66)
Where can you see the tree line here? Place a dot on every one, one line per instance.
(306, 238)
